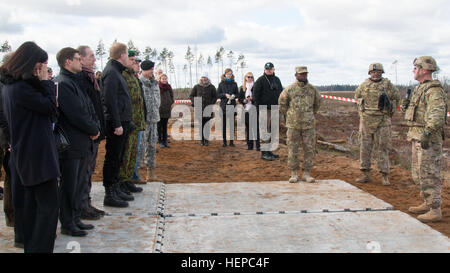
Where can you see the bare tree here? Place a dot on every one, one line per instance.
(200, 62)
(190, 59)
(131, 46)
(163, 57)
(230, 56)
(209, 63)
(5, 47)
(241, 65)
(185, 69)
(100, 51)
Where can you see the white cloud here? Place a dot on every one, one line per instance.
(337, 40)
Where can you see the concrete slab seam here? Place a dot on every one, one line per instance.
(160, 226)
(171, 215)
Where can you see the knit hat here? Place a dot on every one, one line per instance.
(205, 75)
(147, 65)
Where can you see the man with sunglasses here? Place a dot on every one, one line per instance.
(426, 112)
(266, 92)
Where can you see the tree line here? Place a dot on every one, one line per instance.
(196, 63)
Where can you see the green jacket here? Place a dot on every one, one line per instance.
(137, 102)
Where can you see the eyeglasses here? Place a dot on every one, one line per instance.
(249, 77)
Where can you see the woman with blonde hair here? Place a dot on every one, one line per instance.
(227, 92)
(246, 98)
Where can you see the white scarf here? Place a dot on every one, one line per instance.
(248, 93)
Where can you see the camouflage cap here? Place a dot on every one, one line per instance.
(301, 69)
(376, 66)
(426, 62)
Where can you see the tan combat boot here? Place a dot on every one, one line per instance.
(424, 208)
(385, 180)
(153, 177)
(433, 215)
(306, 177)
(364, 178)
(294, 177)
(147, 174)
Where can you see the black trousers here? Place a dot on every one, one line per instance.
(86, 192)
(251, 133)
(115, 147)
(205, 129)
(230, 122)
(36, 213)
(73, 185)
(162, 130)
(18, 200)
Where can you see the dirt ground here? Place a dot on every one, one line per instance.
(187, 161)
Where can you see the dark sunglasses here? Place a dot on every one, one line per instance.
(249, 77)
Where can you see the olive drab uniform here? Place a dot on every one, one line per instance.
(375, 112)
(129, 158)
(298, 103)
(427, 113)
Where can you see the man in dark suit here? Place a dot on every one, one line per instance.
(89, 85)
(117, 102)
(78, 119)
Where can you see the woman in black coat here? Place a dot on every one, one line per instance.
(227, 92)
(29, 105)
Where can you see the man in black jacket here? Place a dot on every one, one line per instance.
(117, 102)
(91, 89)
(266, 91)
(78, 120)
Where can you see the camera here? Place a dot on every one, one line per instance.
(231, 99)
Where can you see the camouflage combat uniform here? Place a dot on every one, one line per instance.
(152, 102)
(298, 103)
(375, 125)
(426, 112)
(129, 158)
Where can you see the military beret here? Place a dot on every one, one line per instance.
(147, 65)
(131, 53)
(301, 69)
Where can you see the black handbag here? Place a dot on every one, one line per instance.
(61, 139)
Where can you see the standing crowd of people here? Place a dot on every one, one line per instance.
(51, 129)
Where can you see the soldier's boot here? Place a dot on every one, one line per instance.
(153, 177)
(385, 180)
(433, 215)
(294, 177)
(147, 174)
(364, 178)
(424, 208)
(308, 178)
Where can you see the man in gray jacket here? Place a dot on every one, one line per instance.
(152, 99)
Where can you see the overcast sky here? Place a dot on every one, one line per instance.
(337, 40)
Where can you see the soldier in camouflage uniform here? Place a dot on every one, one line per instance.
(298, 103)
(426, 112)
(137, 102)
(152, 102)
(377, 100)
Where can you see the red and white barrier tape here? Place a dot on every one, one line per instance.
(323, 96)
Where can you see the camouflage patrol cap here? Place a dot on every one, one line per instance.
(426, 62)
(376, 66)
(301, 69)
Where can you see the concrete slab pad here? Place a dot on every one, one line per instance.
(251, 197)
(362, 232)
(145, 203)
(113, 234)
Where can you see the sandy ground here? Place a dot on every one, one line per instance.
(187, 162)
